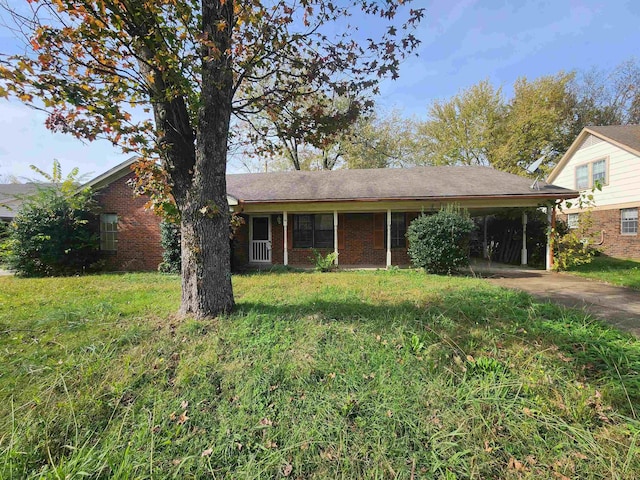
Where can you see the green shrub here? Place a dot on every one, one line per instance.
(323, 263)
(171, 254)
(439, 243)
(4, 242)
(52, 235)
(573, 247)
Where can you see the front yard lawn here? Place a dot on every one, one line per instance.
(611, 270)
(341, 375)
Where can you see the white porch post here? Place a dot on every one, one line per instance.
(524, 239)
(285, 222)
(388, 238)
(335, 234)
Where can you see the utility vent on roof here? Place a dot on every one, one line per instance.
(590, 140)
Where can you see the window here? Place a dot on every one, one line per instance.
(629, 221)
(109, 232)
(313, 231)
(582, 177)
(590, 174)
(599, 172)
(398, 231)
(573, 220)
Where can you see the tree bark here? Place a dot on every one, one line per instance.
(206, 261)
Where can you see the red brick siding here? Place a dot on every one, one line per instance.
(240, 245)
(138, 228)
(357, 230)
(615, 244)
(277, 240)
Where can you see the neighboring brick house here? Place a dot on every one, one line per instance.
(610, 156)
(12, 196)
(362, 215)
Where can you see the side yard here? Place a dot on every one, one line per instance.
(625, 273)
(344, 375)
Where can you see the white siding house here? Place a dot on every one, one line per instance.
(609, 156)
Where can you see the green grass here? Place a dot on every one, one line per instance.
(342, 375)
(611, 270)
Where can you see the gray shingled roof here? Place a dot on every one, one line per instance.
(11, 196)
(415, 183)
(628, 135)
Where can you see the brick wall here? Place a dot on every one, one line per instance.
(356, 232)
(138, 245)
(606, 226)
(240, 245)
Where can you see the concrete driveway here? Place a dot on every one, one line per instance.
(617, 305)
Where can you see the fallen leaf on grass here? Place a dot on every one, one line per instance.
(182, 418)
(286, 471)
(516, 465)
(207, 452)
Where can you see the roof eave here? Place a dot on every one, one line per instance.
(111, 175)
(547, 196)
(574, 147)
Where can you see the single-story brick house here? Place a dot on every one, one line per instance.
(360, 214)
(609, 155)
(12, 196)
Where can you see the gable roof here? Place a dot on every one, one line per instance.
(112, 174)
(419, 183)
(626, 137)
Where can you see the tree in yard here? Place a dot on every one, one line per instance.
(607, 98)
(367, 139)
(382, 140)
(194, 66)
(463, 130)
(537, 123)
(303, 134)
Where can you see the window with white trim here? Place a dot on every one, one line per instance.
(588, 175)
(573, 220)
(629, 221)
(109, 232)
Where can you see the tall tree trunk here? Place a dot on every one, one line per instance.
(206, 262)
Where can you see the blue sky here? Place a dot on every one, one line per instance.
(463, 42)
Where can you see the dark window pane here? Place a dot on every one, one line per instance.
(260, 228)
(323, 239)
(323, 231)
(302, 231)
(313, 231)
(398, 230)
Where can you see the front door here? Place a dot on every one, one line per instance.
(260, 245)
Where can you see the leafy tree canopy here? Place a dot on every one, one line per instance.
(194, 65)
